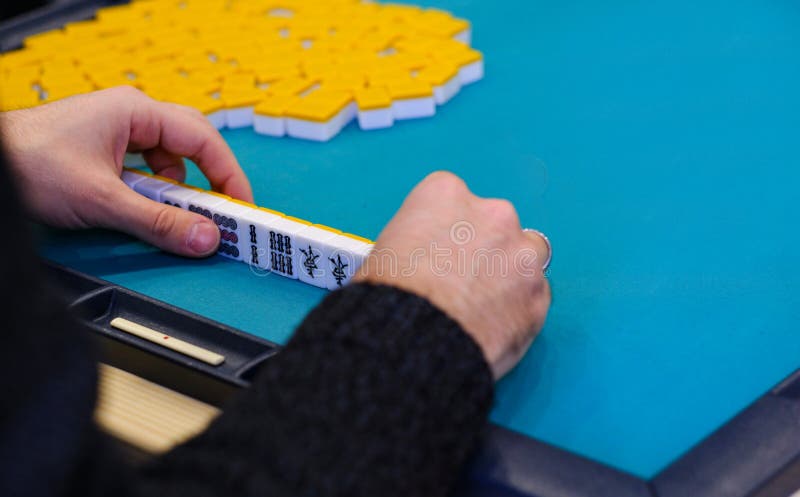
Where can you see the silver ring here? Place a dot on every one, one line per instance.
(547, 242)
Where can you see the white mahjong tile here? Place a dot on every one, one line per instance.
(203, 203)
(375, 118)
(130, 178)
(152, 188)
(272, 242)
(217, 118)
(223, 212)
(268, 125)
(230, 218)
(314, 247)
(413, 108)
(257, 224)
(344, 260)
(282, 247)
(239, 117)
(178, 196)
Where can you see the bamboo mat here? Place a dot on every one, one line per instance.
(146, 415)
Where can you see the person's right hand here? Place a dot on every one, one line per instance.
(469, 257)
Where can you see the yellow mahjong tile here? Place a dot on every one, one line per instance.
(410, 88)
(13, 100)
(319, 106)
(373, 98)
(290, 86)
(195, 50)
(275, 105)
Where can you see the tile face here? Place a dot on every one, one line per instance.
(314, 247)
(283, 249)
(273, 237)
(230, 218)
(257, 226)
(203, 203)
(226, 216)
(344, 260)
(178, 196)
(152, 188)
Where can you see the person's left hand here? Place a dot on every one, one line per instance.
(67, 159)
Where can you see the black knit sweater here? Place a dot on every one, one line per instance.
(377, 394)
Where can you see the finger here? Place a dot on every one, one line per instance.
(541, 244)
(156, 124)
(169, 228)
(165, 163)
(189, 111)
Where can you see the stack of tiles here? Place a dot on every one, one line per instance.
(298, 68)
(268, 240)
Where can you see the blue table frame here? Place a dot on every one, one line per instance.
(756, 454)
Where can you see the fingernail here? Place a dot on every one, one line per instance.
(203, 237)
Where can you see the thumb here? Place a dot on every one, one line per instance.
(167, 227)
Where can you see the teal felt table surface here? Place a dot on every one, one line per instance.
(656, 143)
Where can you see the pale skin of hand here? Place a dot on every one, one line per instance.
(502, 312)
(67, 159)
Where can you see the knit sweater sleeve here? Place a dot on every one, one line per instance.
(378, 393)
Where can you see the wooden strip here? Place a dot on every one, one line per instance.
(167, 341)
(147, 415)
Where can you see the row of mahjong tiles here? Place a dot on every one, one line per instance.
(304, 68)
(268, 240)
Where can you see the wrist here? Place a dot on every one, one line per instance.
(454, 306)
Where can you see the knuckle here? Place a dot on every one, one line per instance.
(196, 113)
(127, 91)
(445, 182)
(189, 111)
(164, 222)
(502, 212)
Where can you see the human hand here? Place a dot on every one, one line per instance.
(468, 256)
(67, 159)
